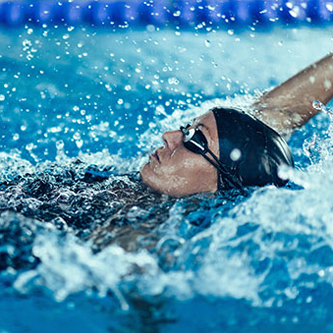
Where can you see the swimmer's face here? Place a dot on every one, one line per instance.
(175, 170)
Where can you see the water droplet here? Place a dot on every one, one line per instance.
(60, 145)
(235, 154)
(150, 28)
(294, 12)
(173, 80)
(318, 105)
(29, 146)
(328, 84)
(161, 110)
(79, 143)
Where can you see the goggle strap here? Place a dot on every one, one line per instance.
(235, 181)
(214, 156)
(198, 145)
(232, 180)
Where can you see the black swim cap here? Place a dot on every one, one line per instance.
(250, 150)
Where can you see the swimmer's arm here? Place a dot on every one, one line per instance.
(289, 105)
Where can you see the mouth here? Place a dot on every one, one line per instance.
(155, 156)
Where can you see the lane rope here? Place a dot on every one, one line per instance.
(166, 13)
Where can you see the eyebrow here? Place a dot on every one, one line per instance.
(203, 125)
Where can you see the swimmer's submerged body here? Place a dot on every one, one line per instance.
(226, 148)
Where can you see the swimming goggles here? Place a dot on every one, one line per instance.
(196, 142)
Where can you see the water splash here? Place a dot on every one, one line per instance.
(261, 259)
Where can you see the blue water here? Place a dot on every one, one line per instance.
(70, 98)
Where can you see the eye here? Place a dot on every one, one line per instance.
(188, 135)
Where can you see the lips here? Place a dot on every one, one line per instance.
(155, 155)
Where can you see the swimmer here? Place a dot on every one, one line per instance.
(227, 148)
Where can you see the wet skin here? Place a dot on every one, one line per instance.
(176, 171)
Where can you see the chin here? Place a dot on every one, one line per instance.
(144, 172)
(149, 178)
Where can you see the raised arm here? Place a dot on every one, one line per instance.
(289, 105)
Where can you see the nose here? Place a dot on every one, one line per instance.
(172, 139)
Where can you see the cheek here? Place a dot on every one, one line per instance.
(194, 165)
(186, 176)
(181, 168)
(178, 165)
(161, 179)
(155, 175)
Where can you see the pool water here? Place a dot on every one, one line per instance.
(85, 246)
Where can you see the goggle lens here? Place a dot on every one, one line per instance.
(194, 140)
(188, 133)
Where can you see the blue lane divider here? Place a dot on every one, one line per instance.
(165, 13)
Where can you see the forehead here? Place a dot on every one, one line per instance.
(207, 119)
